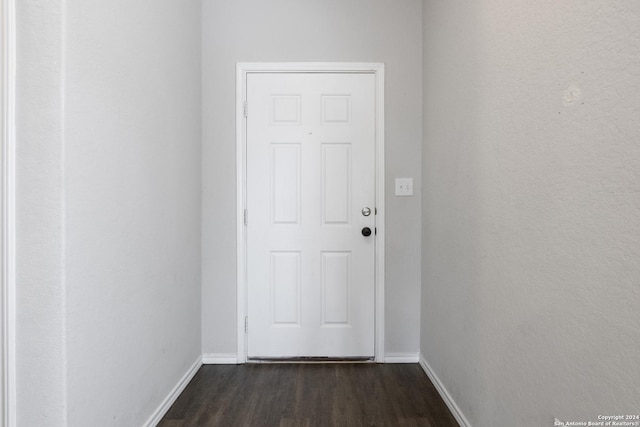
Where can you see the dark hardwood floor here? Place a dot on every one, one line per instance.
(288, 395)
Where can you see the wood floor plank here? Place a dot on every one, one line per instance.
(295, 422)
(310, 395)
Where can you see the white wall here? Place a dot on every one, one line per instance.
(289, 30)
(109, 208)
(40, 346)
(531, 207)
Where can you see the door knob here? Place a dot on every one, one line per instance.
(366, 211)
(366, 232)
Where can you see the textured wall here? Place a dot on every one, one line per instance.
(40, 336)
(109, 208)
(133, 205)
(288, 30)
(531, 207)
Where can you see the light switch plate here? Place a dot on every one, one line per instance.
(404, 186)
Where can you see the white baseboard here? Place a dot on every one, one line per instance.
(173, 395)
(220, 359)
(453, 407)
(401, 358)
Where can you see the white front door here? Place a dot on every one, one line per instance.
(310, 200)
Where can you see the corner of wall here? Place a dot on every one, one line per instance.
(173, 395)
(444, 393)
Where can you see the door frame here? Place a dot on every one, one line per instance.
(242, 70)
(7, 214)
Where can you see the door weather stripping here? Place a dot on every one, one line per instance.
(312, 359)
(246, 324)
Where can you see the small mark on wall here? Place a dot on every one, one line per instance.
(571, 96)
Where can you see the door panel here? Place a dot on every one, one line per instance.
(310, 171)
(336, 183)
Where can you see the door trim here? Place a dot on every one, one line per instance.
(242, 70)
(7, 214)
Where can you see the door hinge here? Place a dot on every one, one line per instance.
(246, 109)
(245, 217)
(246, 324)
